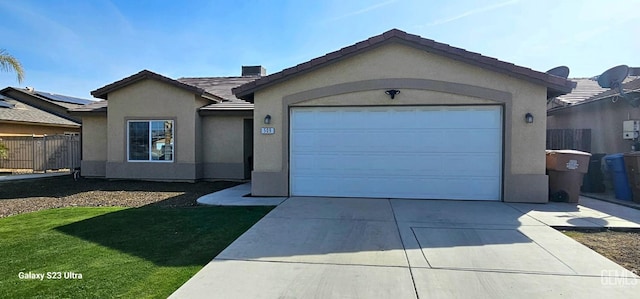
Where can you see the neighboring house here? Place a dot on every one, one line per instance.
(337, 126)
(53, 103)
(26, 112)
(593, 116)
(156, 128)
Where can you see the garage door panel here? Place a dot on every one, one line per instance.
(397, 152)
(417, 188)
(371, 165)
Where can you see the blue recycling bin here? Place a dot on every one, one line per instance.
(615, 165)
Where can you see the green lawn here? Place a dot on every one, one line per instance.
(143, 252)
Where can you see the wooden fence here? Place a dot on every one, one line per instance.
(41, 154)
(576, 139)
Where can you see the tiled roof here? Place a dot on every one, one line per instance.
(631, 85)
(96, 106)
(221, 86)
(555, 85)
(585, 89)
(24, 113)
(102, 92)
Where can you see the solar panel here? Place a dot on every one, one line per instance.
(4, 104)
(61, 98)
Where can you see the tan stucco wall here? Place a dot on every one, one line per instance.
(223, 139)
(396, 61)
(20, 129)
(152, 99)
(604, 118)
(223, 147)
(409, 97)
(94, 138)
(94, 146)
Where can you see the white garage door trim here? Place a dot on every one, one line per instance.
(421, 152)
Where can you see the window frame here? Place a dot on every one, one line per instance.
(150, 140)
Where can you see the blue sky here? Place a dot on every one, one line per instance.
(75, 46)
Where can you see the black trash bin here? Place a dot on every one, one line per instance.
(593, 180)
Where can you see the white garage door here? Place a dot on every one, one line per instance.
(444, 152)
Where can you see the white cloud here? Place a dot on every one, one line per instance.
(472, 12)
(364, 10)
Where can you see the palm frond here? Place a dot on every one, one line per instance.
(8, 63)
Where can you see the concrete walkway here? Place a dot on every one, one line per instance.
(238, 196)
(391, 248)
(18, 177)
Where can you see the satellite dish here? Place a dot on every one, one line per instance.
(613, 77)
(561, 71)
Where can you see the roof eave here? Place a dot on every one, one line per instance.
(101, 111)
(229, 112)
(77, 125)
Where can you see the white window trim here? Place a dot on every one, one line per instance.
(173, 150)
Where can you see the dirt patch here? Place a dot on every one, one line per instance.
(24, 196)
(620, 247)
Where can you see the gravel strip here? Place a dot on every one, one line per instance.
(17, 197)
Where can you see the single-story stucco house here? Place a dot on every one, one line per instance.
(29, 112)
(394, 116)
(152, 127)
(400, 116)
(599, 115)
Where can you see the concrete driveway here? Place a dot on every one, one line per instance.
(388, 248)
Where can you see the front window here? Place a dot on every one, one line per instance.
(150, 140)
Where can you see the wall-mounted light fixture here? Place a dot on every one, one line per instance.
(528, 118)
(267, 119)
(392, 93)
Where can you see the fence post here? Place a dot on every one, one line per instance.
(33, 152)
(44, 147)
(70, 155)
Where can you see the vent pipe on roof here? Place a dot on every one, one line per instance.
(253, 70)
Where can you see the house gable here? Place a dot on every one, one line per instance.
(153, 99)
(104, 91)
(556, 85)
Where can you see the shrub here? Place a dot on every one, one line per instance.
(4, 151)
